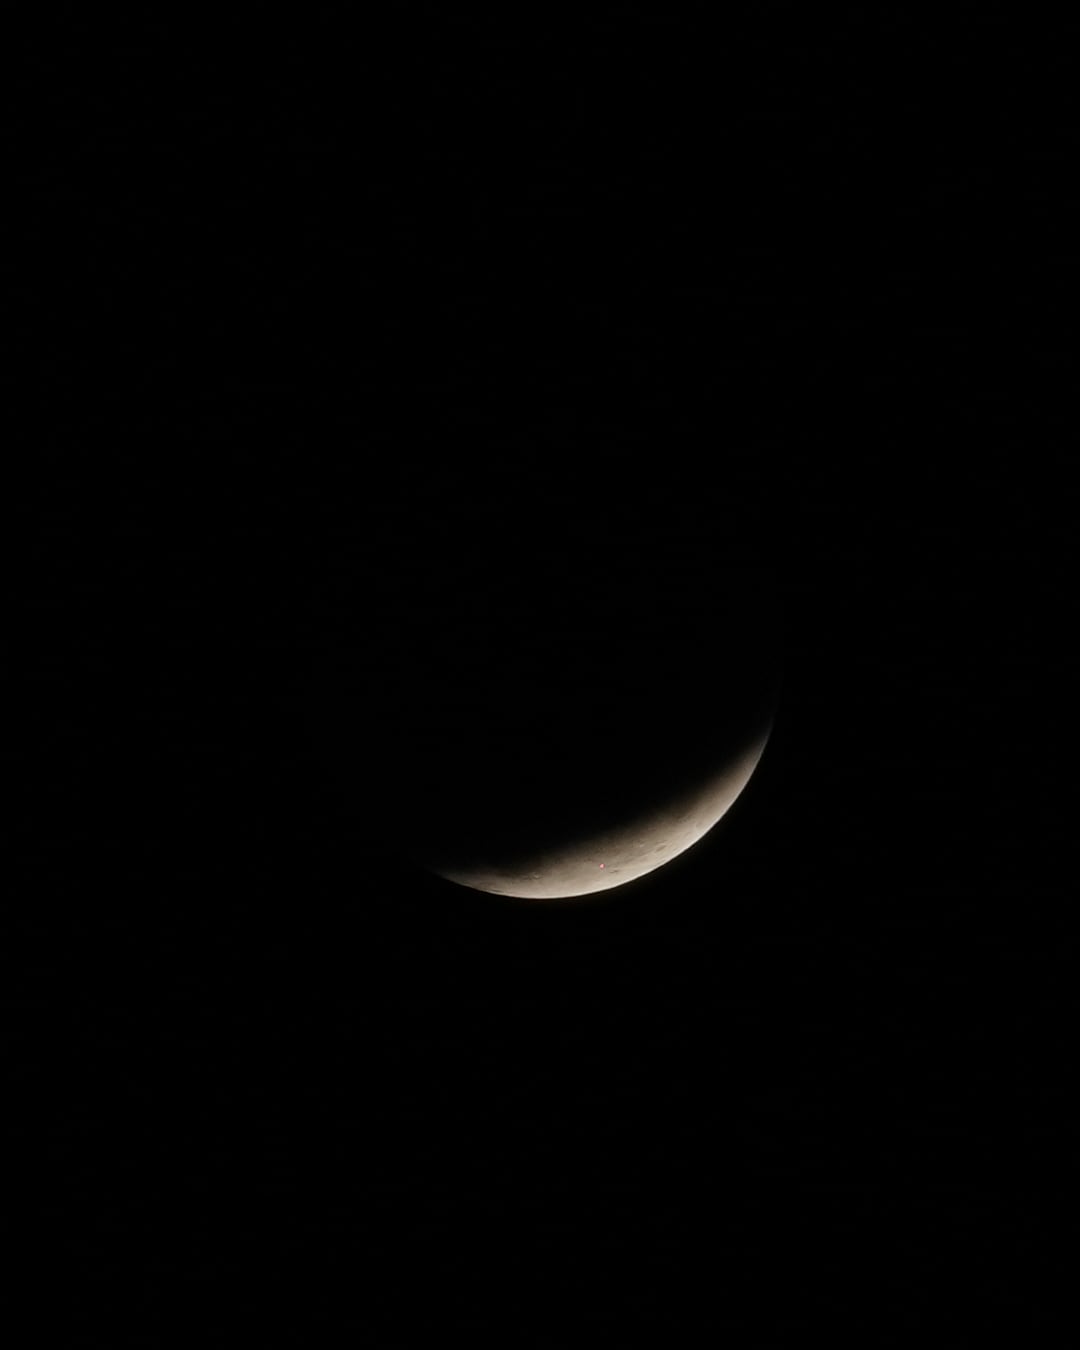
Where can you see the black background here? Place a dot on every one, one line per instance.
(345, 349)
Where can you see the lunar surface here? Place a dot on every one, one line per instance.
(621, 854)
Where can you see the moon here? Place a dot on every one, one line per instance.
(543, 704)
(615, 856)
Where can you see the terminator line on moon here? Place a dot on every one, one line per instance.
(616, 856)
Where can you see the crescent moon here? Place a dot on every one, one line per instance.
(615, 856)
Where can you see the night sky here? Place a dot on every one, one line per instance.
(432, 421)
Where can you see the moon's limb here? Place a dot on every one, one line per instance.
(621, 854)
